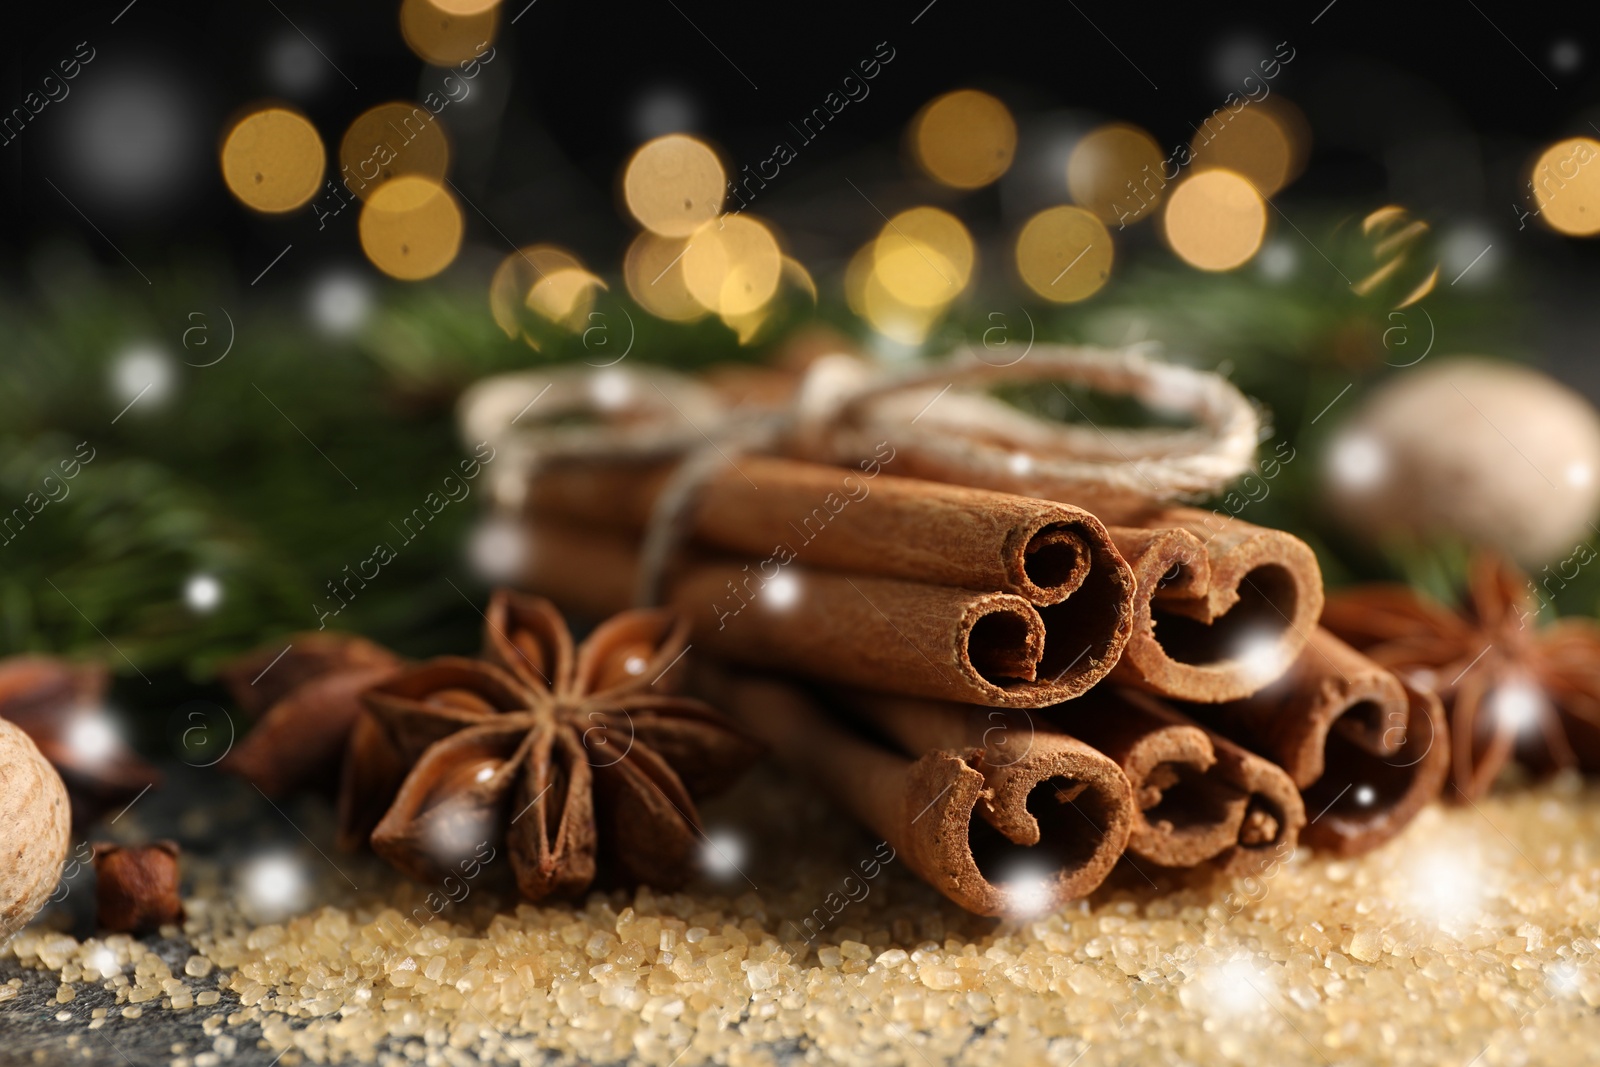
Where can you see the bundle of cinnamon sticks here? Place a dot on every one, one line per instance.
(1015, 693)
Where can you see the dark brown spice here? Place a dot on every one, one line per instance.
(136, 887)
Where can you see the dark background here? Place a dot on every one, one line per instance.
(1463, 92)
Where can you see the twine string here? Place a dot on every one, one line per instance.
(942, 420)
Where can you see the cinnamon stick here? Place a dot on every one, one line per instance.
(896, 636)
(860, 521)
(1049, 826)
(1366, 750)
(866, 522)
(1222, 608)
(1015, 756)
(1198, 797)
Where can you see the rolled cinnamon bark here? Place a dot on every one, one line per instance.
(1015, 755)
(859, 521)
(878, 633)
(1058, 557)
(1198, 797)
(1366, 750)
(1051, 825)
(588, 572)
(1222, 609)
(901, 637)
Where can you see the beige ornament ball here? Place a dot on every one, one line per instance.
(35, 825)
(1491, 453)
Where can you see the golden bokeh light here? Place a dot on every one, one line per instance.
(389, 140)
(856, 273)
(1566, 186)
(465, 7)
(965, 139)
(1422, 289)
(906, 323)
(411, 228)
(923, 257)
(565, 297)
(1250, 143)
(674, 185)
(732, 265)
(1064, 254)
(1398, 244)
(1215, 220)
(513, 281)
(1116, 172)
(1294, 125)
(748, 325)
(273, 160)
(795, 273)
(440, 35)
(652, 269)
(874, 303)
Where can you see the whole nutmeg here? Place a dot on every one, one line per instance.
(1489, 453)
(35, 825)
(136, 887)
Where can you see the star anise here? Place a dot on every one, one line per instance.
(60, 706)
(556, 751)
(1515, 686)
(314, 729)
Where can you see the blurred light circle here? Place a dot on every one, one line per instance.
(1109, 164)
(748, 325)
(869, 298)
(91, 736)
(1357, 461)
(497, 549)
(965, 139)
(1278, 261)
(856, 273)
(411, 228)
(721, 853)
(442, 37)
(465, 7)
(515, 278)
(389, 141)
(611, 389)
(923, 257)
(1250, 143)
(653, 272)
(674, 185)
(1398, 245)
(101, 961)
(732, 266)
(1236, 57)
(202, 593)
(273, 886)
(1468, 254)
(273, 160)
(905, 323)
(1215, 220)
(144, 373)
(1566, 55)
(795, 273)
(293, 65)
(564, 297)
(1295, 128)
(1566, 184)
(340, 303)
(128, 138)
(663, 110)
(1064, 254)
